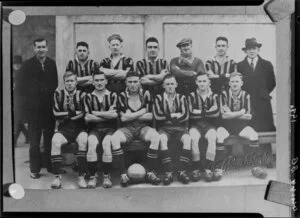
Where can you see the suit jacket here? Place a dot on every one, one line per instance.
(259, 84)
(36, 86)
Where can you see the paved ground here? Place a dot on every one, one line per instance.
(237, 178)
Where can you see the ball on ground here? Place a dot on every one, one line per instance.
(136, 172)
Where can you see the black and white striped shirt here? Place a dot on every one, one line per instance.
(87, 70)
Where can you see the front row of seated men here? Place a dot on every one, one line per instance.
(136, 108)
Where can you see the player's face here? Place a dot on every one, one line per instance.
(152, 49)
(41, 49)
(82, 53)
(170, 85)
(133, 83)
(70, 83)
(252, 52)
(186, 48)
(203, 82)
(99, 81)
(235, 83)
(115, 46)
(221, 47)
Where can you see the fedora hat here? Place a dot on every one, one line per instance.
(251, 43)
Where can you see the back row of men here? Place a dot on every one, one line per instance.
(38, 81)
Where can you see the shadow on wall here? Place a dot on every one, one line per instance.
(34, 27)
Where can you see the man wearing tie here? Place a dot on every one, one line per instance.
(259, 82)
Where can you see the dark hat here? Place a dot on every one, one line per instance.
(115, 36)
(251, 43)
(17, 59)
(184, 41)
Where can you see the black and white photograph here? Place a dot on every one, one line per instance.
(136, 109)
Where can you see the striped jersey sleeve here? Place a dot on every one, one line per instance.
(144, 67)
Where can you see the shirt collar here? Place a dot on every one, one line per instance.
(166, 96)
(127, 92)
(254, 60)
(239, 95)
(209, 93)
(226, 58)
(70, 94)
(76, 58)
(152, 61)
(121, 56)
(105, 93)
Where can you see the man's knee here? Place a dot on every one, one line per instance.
(153, 137)
(163, 141)
(211, 135)
(186, 140)
(92, 143)
(195, 135)
(222, 134)
(82, 139)
(106, 144)
(249, 133)
(116, 139)
(57, 141)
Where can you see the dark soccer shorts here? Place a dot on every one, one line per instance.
(100, 133)
(135, 131)
(202, 126)
(71, 130)
(173, 131)
(235, 126)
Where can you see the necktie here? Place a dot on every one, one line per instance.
(252, 64)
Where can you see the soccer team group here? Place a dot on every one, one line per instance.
(180, 97)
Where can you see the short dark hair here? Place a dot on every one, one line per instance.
(98, 72)
(82, 43)
(168, 76)
(221, 38)
(132, 73)
(40, 40)
(68, 74)
(151, 39)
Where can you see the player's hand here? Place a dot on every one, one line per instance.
(175, 115)
(243, 111)
(226, 109)
(164, 71)
(196, 111)
(247, 116)
(227, 75)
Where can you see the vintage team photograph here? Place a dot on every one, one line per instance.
(134, 101)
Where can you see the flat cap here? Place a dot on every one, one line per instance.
(184, 41)
(115, 36)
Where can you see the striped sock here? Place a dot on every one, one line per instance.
(92, 166)
(166, 161)
(81, 159)
(56, 162)
(220, 152)
(152, 159)
(254, 143)
(184, 159)
(118, 157)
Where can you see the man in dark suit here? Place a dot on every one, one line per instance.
(259, 82)
(38, 81)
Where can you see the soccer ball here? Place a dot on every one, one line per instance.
(136, 172)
